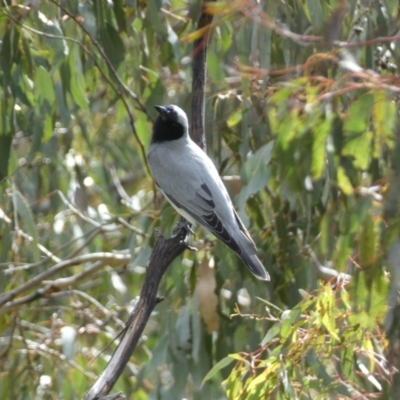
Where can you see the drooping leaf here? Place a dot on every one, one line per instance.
(344, 181)
(383, 112)
(321, 132)
(112, 44)
(358, 115)
(256, 173)
(45, 102)
(29, 226)
(76, 81)
(208, 300)
(217, 367)
(360, 148)
(5, 136)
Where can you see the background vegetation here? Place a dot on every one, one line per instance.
(302, 117)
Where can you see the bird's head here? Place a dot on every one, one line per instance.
(171, 124)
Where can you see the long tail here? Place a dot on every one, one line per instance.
(249, 257)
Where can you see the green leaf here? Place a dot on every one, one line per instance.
(180, 374)
(22, 87)
(182, 327)
(216, 73)
(65, 116)
(59, 47)
(368, 247)
(263, 377)
(234, 383)
(118, 8)
(159, 353)
(320, 133)
(217, 367)
(286, 329)
(154, 21)
(368, 242)
(281, 95)
(45, 101)
(326, 311)
(344, 181)
(88, 10)
(240, 338)
(9, 52)
(142, 126)
(256, 173)
(234, 118)
(44, 91)
(225, 42)
(384, 116)
(358, 115)
(236, 356)
(360, 149)
(288, 129)
(272, 332)
(112, 44)
(76, 80)
(6, 243)
(321, 372)
(314, 13)
(6, 115)
(24, 211)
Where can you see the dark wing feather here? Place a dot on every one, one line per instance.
(208, 218)
(243, 228)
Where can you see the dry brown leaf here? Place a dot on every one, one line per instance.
(208, 300)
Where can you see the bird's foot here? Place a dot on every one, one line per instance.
(191, 248)
(186, 227)
(183, 224)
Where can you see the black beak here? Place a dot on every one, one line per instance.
(162, 111)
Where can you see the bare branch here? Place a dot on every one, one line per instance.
(164, 252)
(92, 233)
(105, 258)
(99, 306)
(83, 216)
(42, 348)
(200, 45)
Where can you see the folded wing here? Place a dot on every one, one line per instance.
(201, 207)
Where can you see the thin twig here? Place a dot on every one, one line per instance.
(10, 270)
(37, 280)
(46, 252)
(104, 310)
(99, 225)
(47, 351)
(93, 233)
(132, 228)
(117, 183)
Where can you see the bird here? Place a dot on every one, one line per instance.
(191, 183)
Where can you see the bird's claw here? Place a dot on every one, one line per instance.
(183, 224)
(191, 248)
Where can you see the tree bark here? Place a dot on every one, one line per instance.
(164, 252)
(197, 132)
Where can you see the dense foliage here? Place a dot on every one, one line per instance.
(302, 121)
